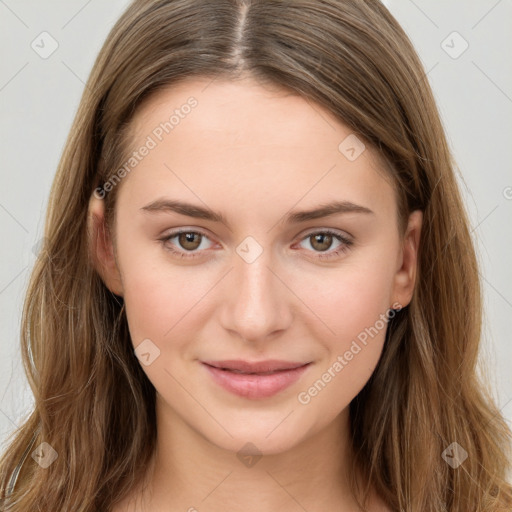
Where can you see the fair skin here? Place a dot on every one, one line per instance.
(254, 154)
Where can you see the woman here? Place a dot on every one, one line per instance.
(259, 289)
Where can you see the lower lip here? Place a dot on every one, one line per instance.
(255, 386)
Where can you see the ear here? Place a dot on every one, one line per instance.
(101, 248)
(405, 276)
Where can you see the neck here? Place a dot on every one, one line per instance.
(190, 473)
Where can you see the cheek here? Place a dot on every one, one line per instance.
(149, 307)
(159, 297)
(349, 299)
(352, 309)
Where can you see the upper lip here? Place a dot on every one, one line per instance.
(270, 365)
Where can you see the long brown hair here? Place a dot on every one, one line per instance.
(93, 403)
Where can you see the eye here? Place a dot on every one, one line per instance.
(323, 240)
(189, 240)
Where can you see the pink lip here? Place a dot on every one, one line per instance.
(257, 382)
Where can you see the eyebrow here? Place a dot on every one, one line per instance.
(294, 217)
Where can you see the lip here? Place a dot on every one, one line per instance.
(261, 379)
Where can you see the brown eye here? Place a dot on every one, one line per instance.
(321, 241)
(189, 240)
(186, 244)
(322, 244)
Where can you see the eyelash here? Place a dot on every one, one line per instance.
(346, 243)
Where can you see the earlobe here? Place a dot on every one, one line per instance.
(101, 247)
(405, 277)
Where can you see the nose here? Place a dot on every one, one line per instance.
(256, 302)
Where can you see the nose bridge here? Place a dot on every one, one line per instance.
(257, 304)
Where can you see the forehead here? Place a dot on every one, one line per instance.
(242, 139)
(240, 111)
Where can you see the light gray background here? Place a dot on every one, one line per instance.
(39, 97)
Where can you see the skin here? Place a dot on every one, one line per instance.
(253, 153)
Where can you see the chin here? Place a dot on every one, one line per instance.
(255, 443)
(274, 434)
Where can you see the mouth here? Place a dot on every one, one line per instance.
(255, 380)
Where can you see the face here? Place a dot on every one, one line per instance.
(223, 262)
